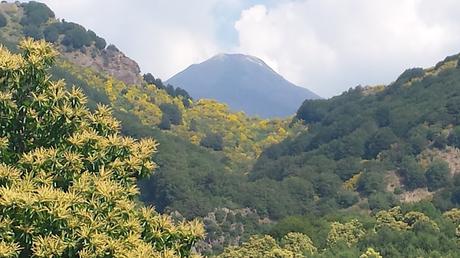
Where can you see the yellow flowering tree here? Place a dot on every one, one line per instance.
(292, 245)
(349, 233)
(67, 178)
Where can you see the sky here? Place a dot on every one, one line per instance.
(326, 46)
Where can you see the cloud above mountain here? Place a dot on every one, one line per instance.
(324, 45)
(331, 45)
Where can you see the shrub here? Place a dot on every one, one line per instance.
(213, 141)
(172, 112)
(437, 175)
(3, 21)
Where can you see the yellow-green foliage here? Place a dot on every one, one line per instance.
(395, 219)
(370, 253)
(293, 245)
(352, 183)
(298, 243)
(349, 233)
(67, 178)
(244, 137)
(453, 215)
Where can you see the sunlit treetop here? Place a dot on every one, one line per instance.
(67, 178)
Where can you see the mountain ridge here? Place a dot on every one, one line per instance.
(244, 82)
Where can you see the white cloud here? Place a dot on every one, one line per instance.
(331, 45)
(163, 36)
(324, 45)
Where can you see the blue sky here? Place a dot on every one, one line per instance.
(327, 46)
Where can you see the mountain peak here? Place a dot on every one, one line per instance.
(244, 82)
(238, 57)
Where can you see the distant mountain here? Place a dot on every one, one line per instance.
(243, 82)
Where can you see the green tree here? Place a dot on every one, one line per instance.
(437, 175)
(213, 141)
(32, 31)
(77, 37)
(414, 176)
(100, 43)
(36, 13)
(379, 141)
(67, 178)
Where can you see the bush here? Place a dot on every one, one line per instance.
(51, 32)
(381, 201)
(32, 31)
(172, 112)
(454, 137)
(213, 141)
(100, 43)
(379, 141)
(347, 198)
(3, 21)
(371, 182)
(165, 123)
(76, 38)
(437, 175)
(414, 176)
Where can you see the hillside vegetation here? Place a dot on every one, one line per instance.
(369, 173)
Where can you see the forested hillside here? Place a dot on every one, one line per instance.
(371, 172)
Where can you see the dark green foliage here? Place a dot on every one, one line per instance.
(389, 126)
(213, 141)
(3, 21)
(379, 141)
(165, 123)
(381, 201)
(51, 32)
(347, 198)
(454, 137)
(347, 167)
(414, 176)
(371, 182)
(312, 111)
(76, 37)
(193, 126)
(326, 185)
(36, 13)
(32, 31)
(171, 112)
(173, 92)
(437, 175)
(100, 43)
